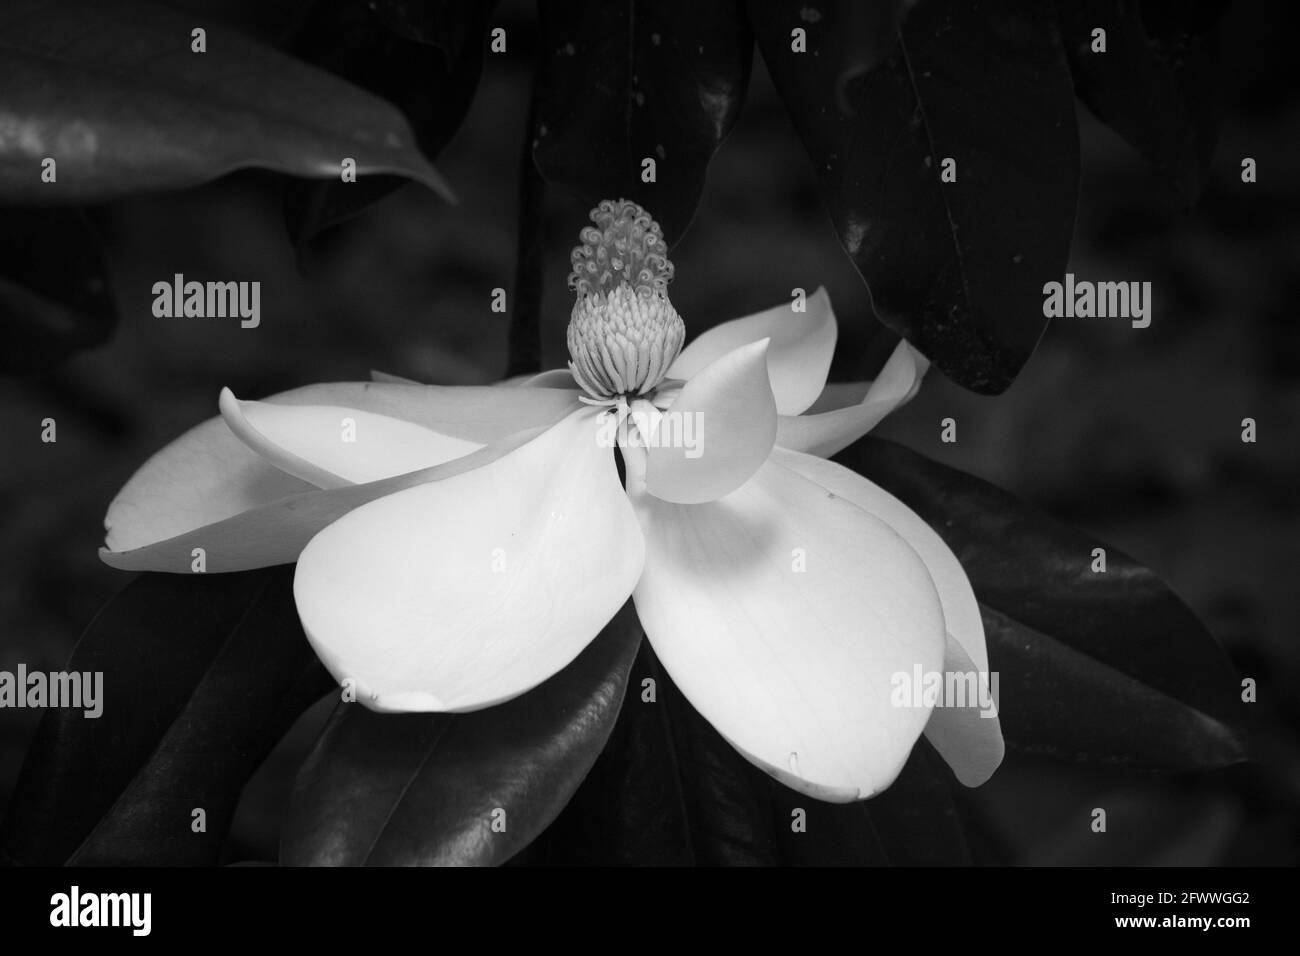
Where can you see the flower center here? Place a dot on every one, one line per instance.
(623, 332)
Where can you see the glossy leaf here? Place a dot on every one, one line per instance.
(669, 790)
(913, 823)
(1066, 703)
(631, 808)
(114, 94)
(1138, 89)
(54, 288)
(421, 789)
(201, 676)
(423, 56)
(956, 268)
(666, 791)
(1109, 667)
(623, 82)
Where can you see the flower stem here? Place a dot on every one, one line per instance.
(525, 337)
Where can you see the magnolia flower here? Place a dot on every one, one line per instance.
(458, 546)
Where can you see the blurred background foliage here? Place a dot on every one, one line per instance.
(1132, 435)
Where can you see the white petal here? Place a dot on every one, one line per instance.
(784, 614)
(480, 413)
(718, 431)
(961, 610)
(208, 475)
(553, 378)
(799, 356)
(388, 378)
(205, 476)
(275, 532)
(331, 446)
(969, 739)
(826, 433)
(839, 395)
(461, 594)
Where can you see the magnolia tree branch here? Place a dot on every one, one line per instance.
(525, 339)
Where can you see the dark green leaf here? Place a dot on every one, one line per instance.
(912, 823)
(1111, 666)
(54, 292)
(202, 675)
(630, 810)
(420, 789)
(424, 56)
(1063, 702)
(113, 93)
(1142, 89)
(666, 791)
(669, 790)
(622, 82)
(957, 268)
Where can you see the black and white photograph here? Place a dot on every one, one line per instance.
(647, 434)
